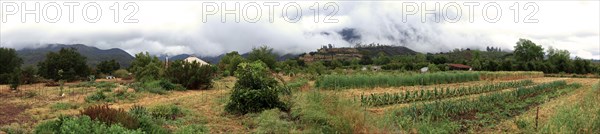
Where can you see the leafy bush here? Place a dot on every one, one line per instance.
(147, 122)
(145, 67)
(108, 66)
(193, 129)
(111, 116)
(81, 125)
(191, 75)
(98, 96)
(10, 61)
(166, 111)
(269, 121)
(254, 91)
(121, 73)
(156, 86)
(72, 64)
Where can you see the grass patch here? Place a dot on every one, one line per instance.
(63, 106)
(582, 116)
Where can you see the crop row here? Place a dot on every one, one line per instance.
(437, 93)
(392, 80)
(340, 81)
(487, 109)
(509, 75)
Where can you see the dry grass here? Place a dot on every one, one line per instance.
(208, 105)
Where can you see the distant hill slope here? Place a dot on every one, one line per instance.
(388, 50)
(216, 59)
(93, 54)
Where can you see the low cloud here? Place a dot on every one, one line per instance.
(177, 28)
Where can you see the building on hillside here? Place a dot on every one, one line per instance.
(191, 59)
(459, 67)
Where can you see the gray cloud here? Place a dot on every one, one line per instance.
(375, 22)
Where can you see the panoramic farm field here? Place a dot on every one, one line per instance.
(299, 67)
(446, 102)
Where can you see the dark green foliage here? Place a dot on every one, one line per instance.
(108, 66)
(190, 75)
(147, 123)
(526, 51)
(15, 79)
(97, 96)
(264, 54)
(72, 64)
(10, 62)
(28, 75)
(81, 125)
(156, 86)
(145, 67)
(111, 116)
(254, 91)
(229, 63)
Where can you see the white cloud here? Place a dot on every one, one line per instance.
(177, 27)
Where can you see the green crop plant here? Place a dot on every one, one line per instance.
(434, 94)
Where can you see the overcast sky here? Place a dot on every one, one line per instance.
(178, 27)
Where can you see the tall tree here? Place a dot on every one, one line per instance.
(66, 64)
(145, 67)
(10, 61)
(264, 54)
(560, 61)
(526, 51)
(108, 66)
(229, 62)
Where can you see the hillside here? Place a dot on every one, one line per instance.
(329, 53)
(94, 55)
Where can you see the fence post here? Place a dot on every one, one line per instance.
(537, 117)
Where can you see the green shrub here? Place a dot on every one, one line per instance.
(111, 116)
(146, 121)
(105, 85)
(145, 67)
(170, 86)
(166, 111)
(81, 125)
(97, 96)
(269, 122)
(193, 129)
(191, 75)
(63, 106)
(121, 73)
(254, 91)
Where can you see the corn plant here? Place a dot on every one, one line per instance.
(495, 105)
(337, 81)
(436, 93)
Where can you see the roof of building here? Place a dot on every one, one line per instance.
(194, 58)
